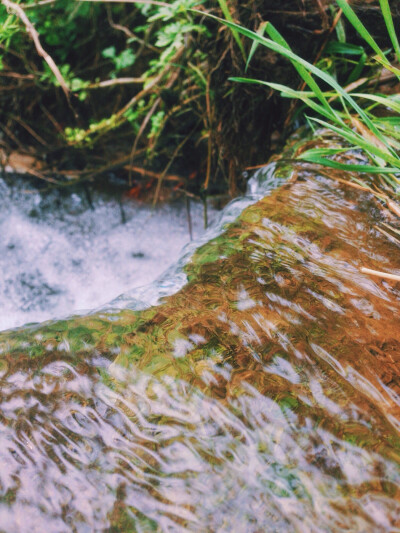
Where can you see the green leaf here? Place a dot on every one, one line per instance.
(340, 31)
(389, 25)
(361, 29)
(387, 101)
(305, 68)
(335, 47)
(109, 52)
(356, 72)
(125, 59)
(255, 44)
(316, 156)
(225, 10)
(279, 45)
(291, 93)
(301, 67)
(359, 141)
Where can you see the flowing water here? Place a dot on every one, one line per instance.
(62, 252)
(262, 394)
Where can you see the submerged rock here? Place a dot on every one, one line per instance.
(261, 396)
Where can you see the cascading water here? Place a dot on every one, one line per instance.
(261, 393)
(61, 253)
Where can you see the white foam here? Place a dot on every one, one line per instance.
(57, 256)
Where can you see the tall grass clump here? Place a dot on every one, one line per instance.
(366, 119)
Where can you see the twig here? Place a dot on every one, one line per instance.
(41, 3)
(56, 125)
(90, 174)
(17, 9)
(140, 133)
(379, 274)
(141, 94)
(21, 168)
(384, 77)
(14, 87)
(11, 135)
(116, 26)
(16, 75)
(127, 31)
(174, 155)
(393, 207)
(209, 140)
(29, 129)
(205, 212)
(388, 235)
(324, 16)
(145, 173)
(117, 81)
(151, 85)
(189, 217)
(152, 2)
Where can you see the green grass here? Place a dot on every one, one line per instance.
(354, 116)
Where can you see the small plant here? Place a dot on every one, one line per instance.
(139, 71)
(122, 60)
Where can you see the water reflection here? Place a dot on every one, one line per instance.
(262, 396)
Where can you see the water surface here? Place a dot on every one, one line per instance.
(263, 395)
(62, 253)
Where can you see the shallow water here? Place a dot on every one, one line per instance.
(263, 395)
(60, 254)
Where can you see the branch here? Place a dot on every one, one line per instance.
(155, 81)
(111, 83)
(379, 274)
(20, 13)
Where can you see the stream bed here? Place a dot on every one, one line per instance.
(260, 393)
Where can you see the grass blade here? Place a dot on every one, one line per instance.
(289, 54)
(358, 141)
(361, 29)
(312, 156)
(384, 100)
(390, 26)
(255, 44)
(305, 75)
(358, 126)
(227, 14)
(291, 93)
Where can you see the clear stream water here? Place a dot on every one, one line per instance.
(261, 395)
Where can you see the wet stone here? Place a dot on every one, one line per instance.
(262, 395)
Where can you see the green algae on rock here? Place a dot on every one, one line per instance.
(264, 393)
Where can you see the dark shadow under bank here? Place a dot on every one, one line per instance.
(263, 395)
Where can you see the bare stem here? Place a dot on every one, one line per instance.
(116, 81)
(152, 2)
(379, 274)
(20, 13)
